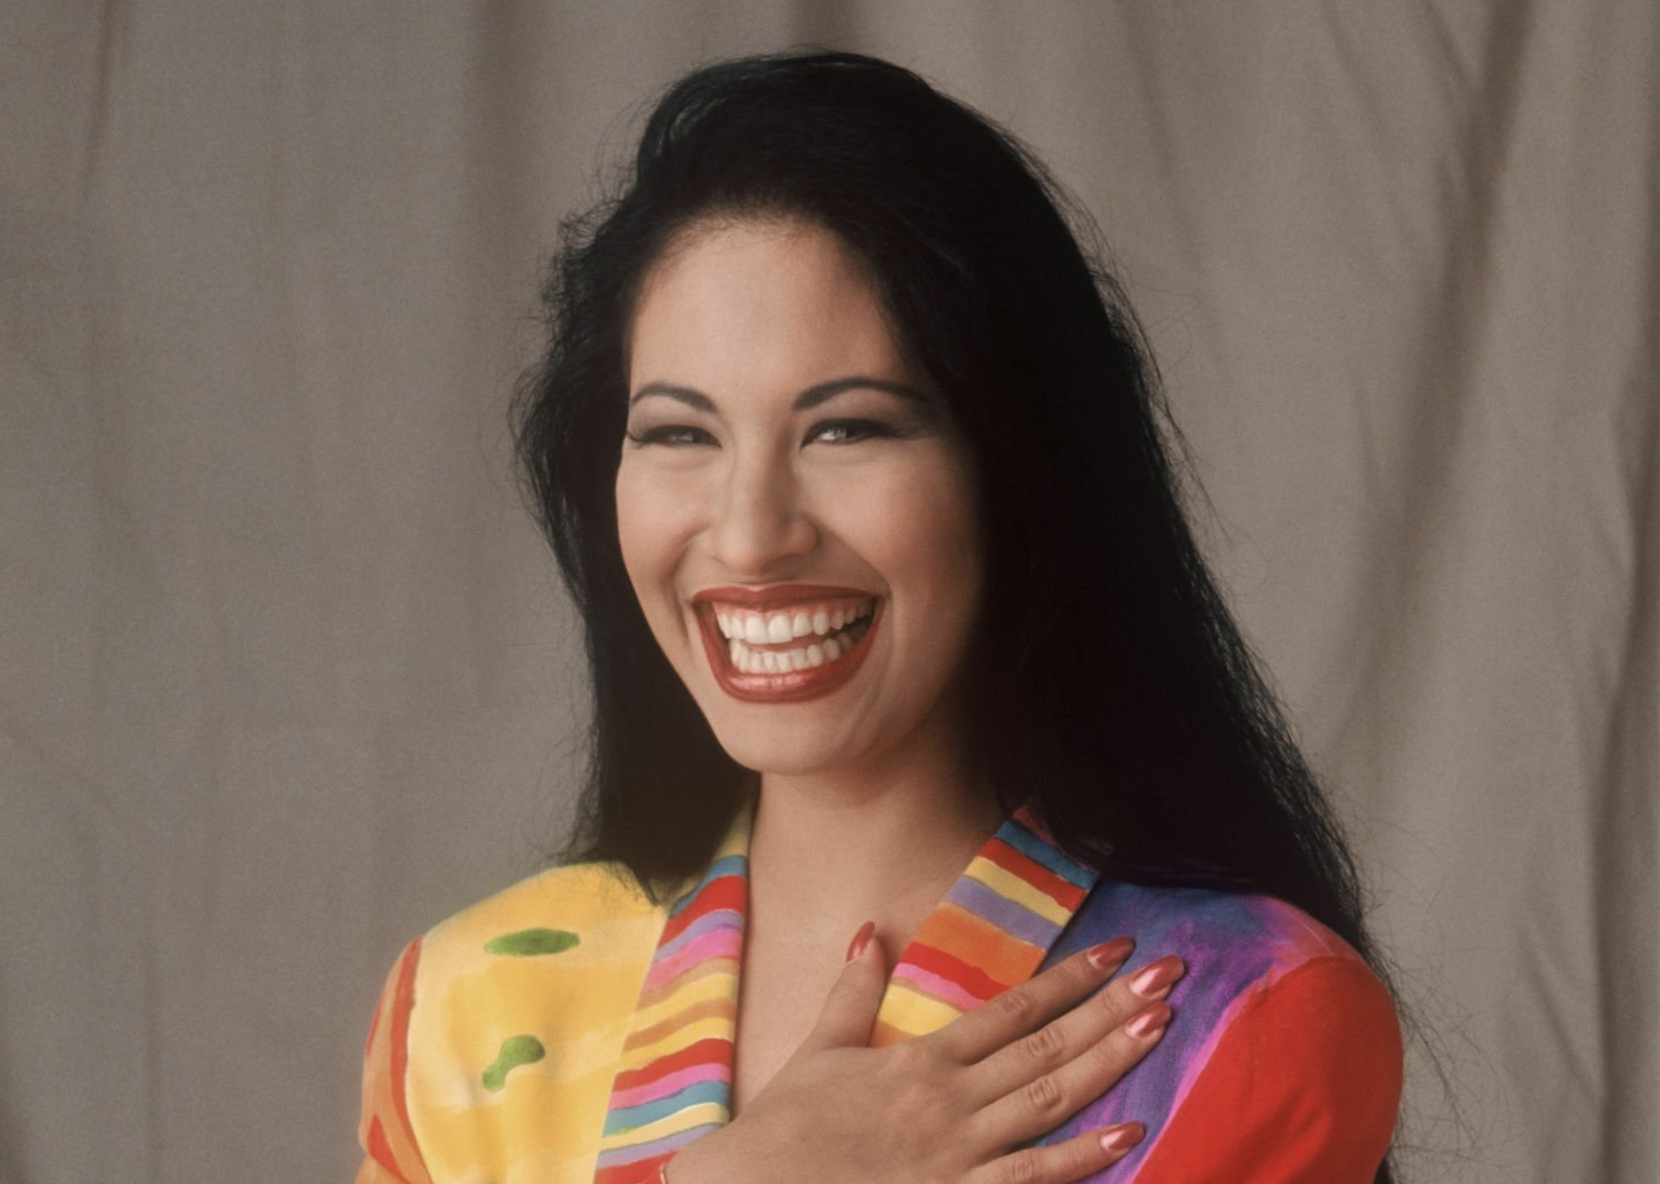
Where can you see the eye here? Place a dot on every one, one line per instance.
(672, 435)
(849, 431)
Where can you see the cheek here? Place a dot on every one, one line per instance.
(651, 530)
(923, 535)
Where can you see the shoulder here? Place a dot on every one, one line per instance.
(552, 949)
(580, 916)
(515, 1007)
(1283, 1058)
(1268, 932)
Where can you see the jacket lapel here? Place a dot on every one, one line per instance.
(674, 1082)
(991, 931)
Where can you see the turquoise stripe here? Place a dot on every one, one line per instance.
(622, 1121)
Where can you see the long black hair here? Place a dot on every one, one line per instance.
(1113, 689)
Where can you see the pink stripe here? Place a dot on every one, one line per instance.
(940, 988)
(721, 943)
(1197, 1058)
(664, 1086)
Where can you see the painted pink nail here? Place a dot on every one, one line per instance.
(1122, 1137)
(1110, 953)
(1149, 1022)
(1154, 982)
(861, 939)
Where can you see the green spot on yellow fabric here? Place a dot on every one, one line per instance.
(527, 943)
(515, 1051)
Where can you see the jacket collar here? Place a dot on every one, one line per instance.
(674, 1081)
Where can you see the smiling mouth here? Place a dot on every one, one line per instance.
(787, 643)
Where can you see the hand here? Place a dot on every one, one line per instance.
(957, 1105)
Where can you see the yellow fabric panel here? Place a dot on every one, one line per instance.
(512, 1055)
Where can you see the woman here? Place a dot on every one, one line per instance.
(854, 468)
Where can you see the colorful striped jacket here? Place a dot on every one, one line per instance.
(567, 1030)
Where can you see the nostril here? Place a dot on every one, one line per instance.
(754, 532)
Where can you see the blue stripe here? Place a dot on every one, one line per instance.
(621, 1121)
(1046, 855)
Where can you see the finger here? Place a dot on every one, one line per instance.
(1080, 1156)
(1027, 1007)
(1050, 1099)
(850, 1010)
(1075, 1032)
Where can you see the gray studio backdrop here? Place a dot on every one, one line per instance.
(284, 675)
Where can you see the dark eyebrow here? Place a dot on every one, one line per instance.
(696, 400)
(825, 391)
(808, 399)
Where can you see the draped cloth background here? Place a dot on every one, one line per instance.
(284, 675)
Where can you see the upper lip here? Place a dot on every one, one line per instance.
(776, 595)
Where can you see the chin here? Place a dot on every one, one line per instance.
(760, 740)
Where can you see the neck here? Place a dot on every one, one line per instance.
(881, 842)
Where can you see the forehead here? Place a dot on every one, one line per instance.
(759, 301)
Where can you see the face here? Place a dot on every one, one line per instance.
(796, 512)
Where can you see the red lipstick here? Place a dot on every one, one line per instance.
(785, 686)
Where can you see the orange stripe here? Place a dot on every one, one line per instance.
(693, 973)
(976, 941)
(886, 1034)
(719, 1008)
(385, 1131)
(403, 1002)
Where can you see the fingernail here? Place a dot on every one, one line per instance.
(1149, 1022)
(861, 939)
(1153, 982)
(1122, 1137)
(1110, 953)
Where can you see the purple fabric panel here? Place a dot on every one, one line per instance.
(1231, 943)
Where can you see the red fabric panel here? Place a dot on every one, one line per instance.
(1302, 1088)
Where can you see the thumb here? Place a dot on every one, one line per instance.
(850, 1010)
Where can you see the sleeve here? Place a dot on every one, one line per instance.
(1301, 1088)
(390, 1152)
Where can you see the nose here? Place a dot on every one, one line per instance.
(760, 522)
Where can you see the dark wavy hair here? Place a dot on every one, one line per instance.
(1114, 690)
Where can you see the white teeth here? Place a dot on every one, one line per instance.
(780, 628)
(754, 661)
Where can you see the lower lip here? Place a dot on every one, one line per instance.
(796, 686)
